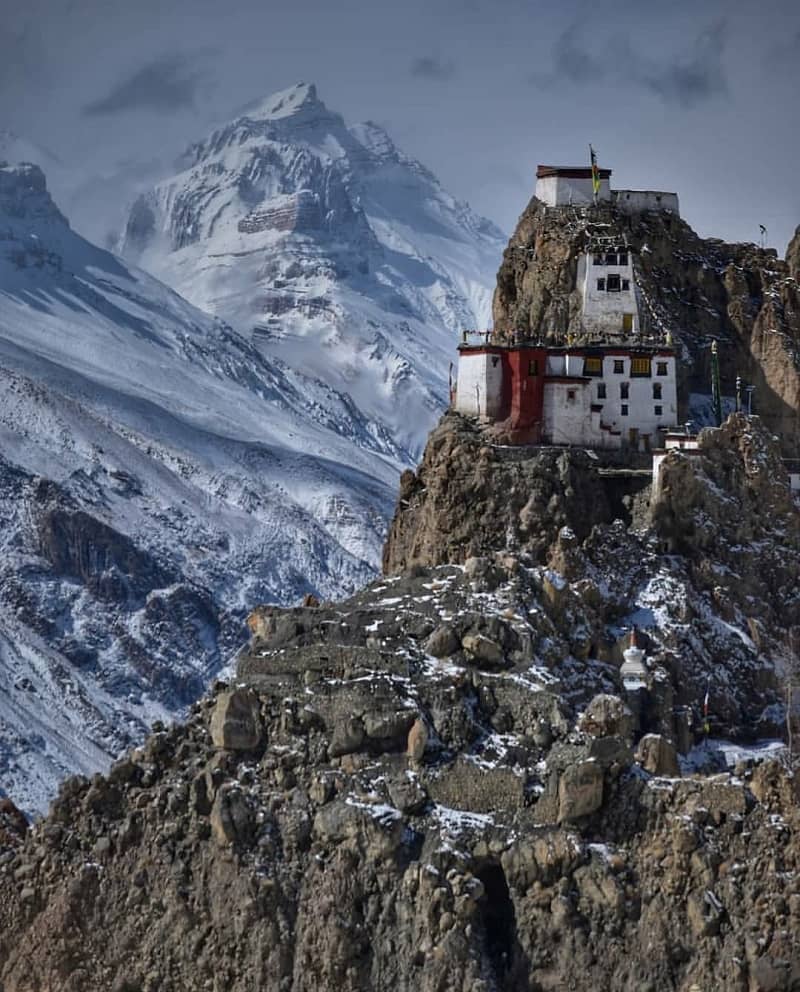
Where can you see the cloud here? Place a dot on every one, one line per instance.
(684, 79)
(164, 85)
(693, 78)
(433, 67)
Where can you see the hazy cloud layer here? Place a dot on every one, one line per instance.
(166, 84)
(433, 67)
(684, 79)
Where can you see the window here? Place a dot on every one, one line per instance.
(593, 366)
(611, 258)
(619, 366)
(624, 410)
(613, 283)
(570, 395)
(601, 390)
(601, 284)
(624, 389)
(533, 366)
(656, 390)
(661, 368)
(626, 284)
(658, 410)
(623, 258)
(598, 258)
(640, 367)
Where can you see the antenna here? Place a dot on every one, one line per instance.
(716, 391)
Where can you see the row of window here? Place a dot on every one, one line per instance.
(610, 258)
(657, 410)
(624, 391)
(640, 367)
(613, 284)
(593, 366)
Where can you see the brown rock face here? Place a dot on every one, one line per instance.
(657, 755)
(580, 790)
(13, 825)
(793, 255)
(468, 497)
(697, 289)
(235, 722)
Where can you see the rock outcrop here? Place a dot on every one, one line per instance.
(469, 495)
(475, 834)
(445, 783)
(698, 290)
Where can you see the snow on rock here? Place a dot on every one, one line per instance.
(159, 476)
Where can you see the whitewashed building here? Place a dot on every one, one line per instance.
(607, 283)
(559, 186)
(619, 388)
(594, 396)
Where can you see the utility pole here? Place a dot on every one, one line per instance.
(716, 391)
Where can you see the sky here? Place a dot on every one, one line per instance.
(698, 97)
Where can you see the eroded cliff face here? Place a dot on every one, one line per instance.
(446, 782)
(697, 289)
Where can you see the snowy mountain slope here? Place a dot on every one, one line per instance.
(158, 477)
(328, 247)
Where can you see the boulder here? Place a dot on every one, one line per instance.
(607, 716)
(417, 742)
(407, 793)
(443, 642)
(390, 727)
(580, 790)
(231, 818)
(658, 756)
(236, 721)
(348, 736)
(483, 650)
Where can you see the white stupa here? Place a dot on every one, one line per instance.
(633, 667)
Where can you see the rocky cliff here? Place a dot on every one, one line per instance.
(697, 289)
(446, 782)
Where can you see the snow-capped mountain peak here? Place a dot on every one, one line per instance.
(331, 249)
(297, 100)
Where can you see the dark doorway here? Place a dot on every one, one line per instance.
(500, 929)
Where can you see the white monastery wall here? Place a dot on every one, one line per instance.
(566, 414)
(603, 309)
(556, 191)
(640, 409)
(480, 384)
(629, 200)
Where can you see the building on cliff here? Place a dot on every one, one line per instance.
(603, 397)
(618, 388)
(560, 186)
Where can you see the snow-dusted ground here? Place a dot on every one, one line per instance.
(171, 428)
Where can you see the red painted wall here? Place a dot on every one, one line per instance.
(527, 391)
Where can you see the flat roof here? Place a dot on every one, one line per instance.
(586, 351)
(569, 172)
